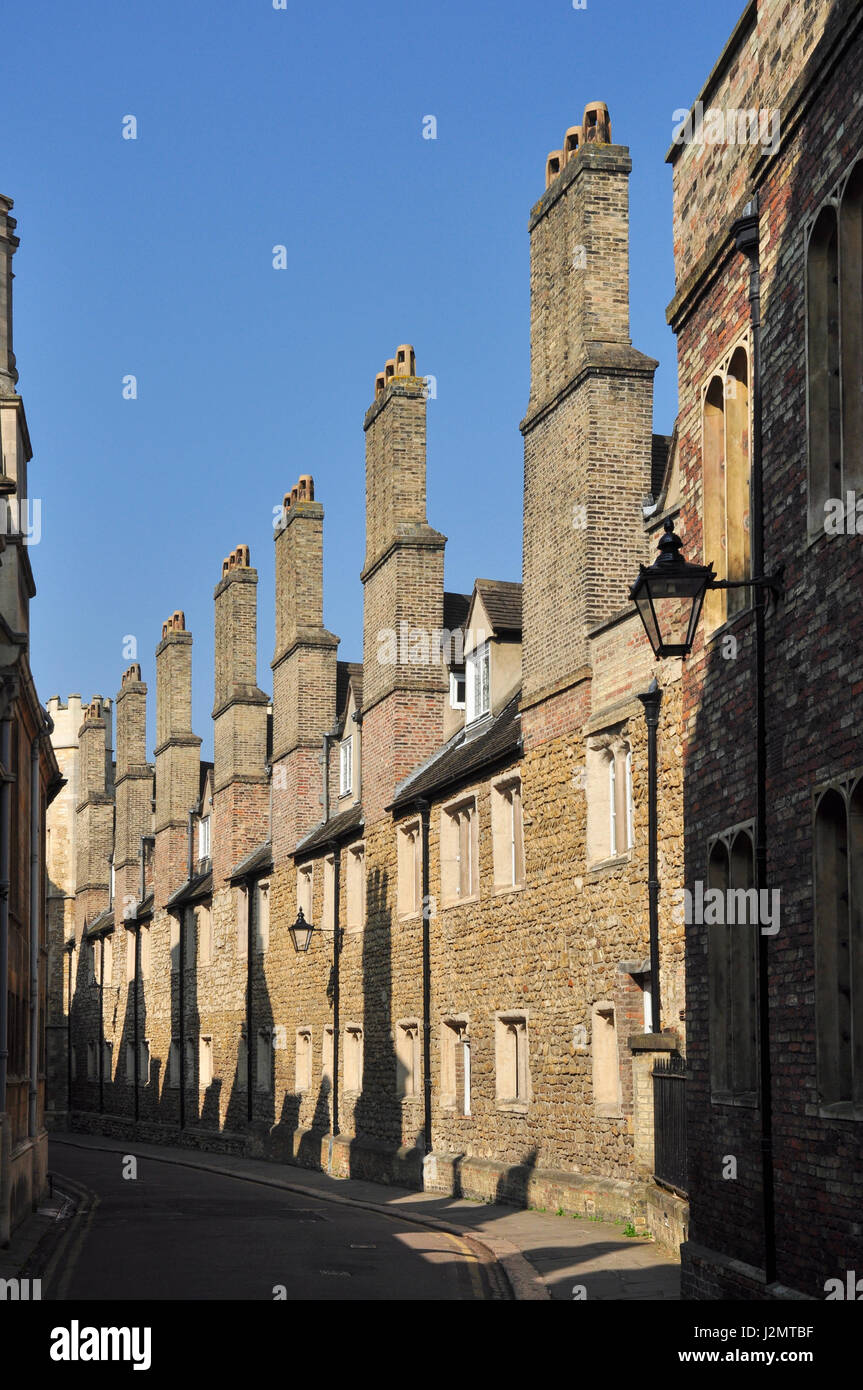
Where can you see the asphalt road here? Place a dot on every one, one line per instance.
(176, 1233)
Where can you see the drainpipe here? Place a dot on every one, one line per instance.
(68, 950)
(427, 1074)
(337, 946)
(250, 902)
(5, 807)
(35, 899)
(181, 1004)
(746, 239)
(651, 701)
(102, 1023)
(145, 840)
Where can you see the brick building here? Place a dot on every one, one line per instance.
(29, 779)
(775, 138)
(461, 817)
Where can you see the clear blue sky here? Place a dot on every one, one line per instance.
(300, 127)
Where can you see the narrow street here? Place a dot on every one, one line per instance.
(179, 1233)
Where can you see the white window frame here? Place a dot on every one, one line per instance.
(346, 765)
(204, 837)
(478, 683)
(456, 677)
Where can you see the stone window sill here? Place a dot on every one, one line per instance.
(607, 866)
(513, 1107)
(841, 1110)
(501, 890)
(460, 902)
(746, 1100)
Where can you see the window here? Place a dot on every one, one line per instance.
(173, 1064)
(144, 1062)
(130, 1064)
(175, 943)
(346, 765)
(610, 812)
(305, 887)
(327, 1058)
(726, 467)
(459, 852)
(507, 833)
(410, 888)
(242, 909)
(353, 1059)
(455, 1066)
(145, 952)
(264, 1060)
(408, 1059)
(304, 1060)
(606, 1067)
(242, 1064)
(112, 884)
(732, 955)
(206, 1062)
(457, 689)
(130, 956)
(838, 886)
(478, 683)
(204, 837)
(512, 1080)
(204, 931)
(329, 908)
(92, 1062)
(356, 887)
(261, 900)
(822, 312)
(107, 1059)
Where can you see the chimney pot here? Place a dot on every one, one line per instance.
(389, 369)
(596, 124)
(553, 167)
(572, 142)
(405, 360)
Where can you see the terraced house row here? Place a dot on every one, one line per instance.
(398, 927)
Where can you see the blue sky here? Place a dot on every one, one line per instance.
(299, 127)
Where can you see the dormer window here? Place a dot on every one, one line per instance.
(346, 765)
(204, 837)
(457, 689)
(478, 683)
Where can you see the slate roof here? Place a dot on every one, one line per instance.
(260, 861)
(104, 922)
(502, 602)
(467, 752)
(348, 673)
(198, 886)
(336, 828)
(661, 448)
(455, 611)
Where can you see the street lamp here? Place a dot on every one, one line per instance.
(669, 595)
(301, 932)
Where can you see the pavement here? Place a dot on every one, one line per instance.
(542, 1255)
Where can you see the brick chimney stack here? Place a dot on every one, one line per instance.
(403, 699)
(588, 430)
(94, 834)
(177, 757)
(241, 795)
(133, 790)
(304, 669)
(8, 246)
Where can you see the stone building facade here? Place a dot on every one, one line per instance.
(775, 139)
(461, 817)
(29, 779)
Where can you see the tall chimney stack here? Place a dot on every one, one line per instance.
(133, 790)
(240, 788)
(304, 669)
(94, 833)
(177, 757)
(403, 698)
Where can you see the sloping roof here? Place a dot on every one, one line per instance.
(659, 463)
(259, 861)
(104, 922)
(465, 754)
(348, 673)
(145, 907)
(502, 602)
(455, 611)
(336, 828)
(206, 768)
(198, 886)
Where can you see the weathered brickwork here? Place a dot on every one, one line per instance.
(807, 61)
